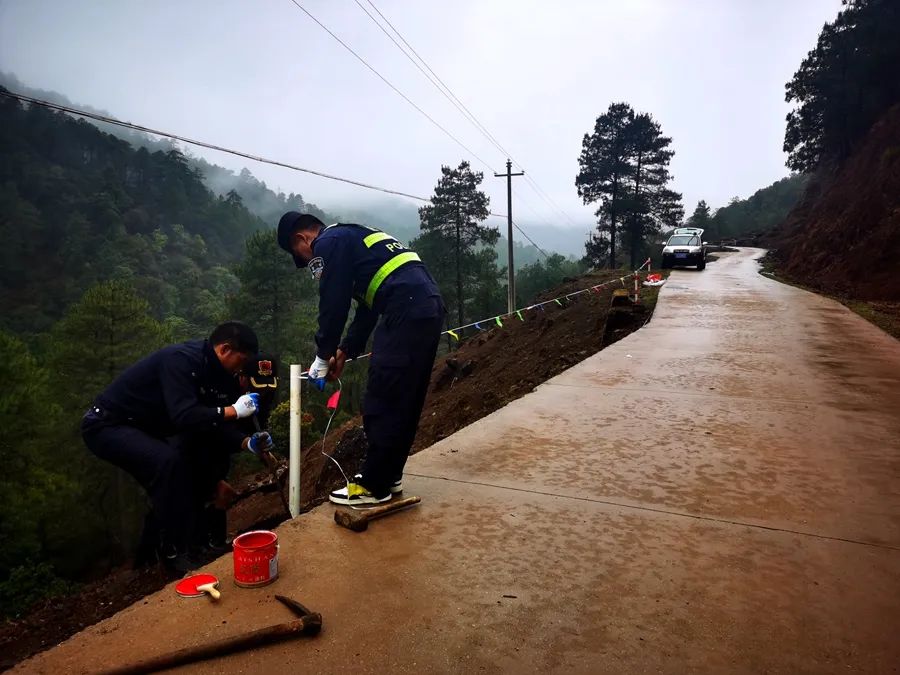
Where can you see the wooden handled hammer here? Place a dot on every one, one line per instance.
(358, 519)
(309, 623)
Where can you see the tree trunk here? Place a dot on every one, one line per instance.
(612, 224)
(635, 231)
(459, 293)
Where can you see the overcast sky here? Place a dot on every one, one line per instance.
(261, 76)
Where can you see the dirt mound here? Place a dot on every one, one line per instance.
(843, 237)
(489, 370)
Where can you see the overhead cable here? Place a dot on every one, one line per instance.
(202, 144)
(447, 92)
(388, 83)
(211, 146)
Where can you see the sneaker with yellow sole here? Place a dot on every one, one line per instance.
(396, 486)
(355, 494)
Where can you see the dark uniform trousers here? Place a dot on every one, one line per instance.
(403, 353)
(179, 473)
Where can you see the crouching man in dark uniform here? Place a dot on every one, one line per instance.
(169, 421)
(387, 280)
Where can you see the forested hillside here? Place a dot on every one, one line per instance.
(79, 206)
(760, 212)
(844, 236)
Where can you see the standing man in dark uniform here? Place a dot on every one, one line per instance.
(168, 420)
(387, 280)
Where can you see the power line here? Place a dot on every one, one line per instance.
(522, 232)
(388, 83)
(454, 99)
(546, 197)
(203, 144)
(443, 86)
(211, 146)
(395, 89)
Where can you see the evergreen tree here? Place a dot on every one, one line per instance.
(452, 222)
(844, 84)
(701, 216)
(624, 166)
(275, 298)
(106, 331)
(30, 484)
(650, 202)
(603, 169)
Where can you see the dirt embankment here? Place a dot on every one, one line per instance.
(843, 238)
(489, 370)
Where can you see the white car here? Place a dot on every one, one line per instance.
(685, 247)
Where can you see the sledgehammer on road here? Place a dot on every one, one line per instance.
(308, 624)
(358, 519)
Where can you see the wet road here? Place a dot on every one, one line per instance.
(718, 492)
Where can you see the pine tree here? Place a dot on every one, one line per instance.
(105, 332)
(275, 298)
(604, 166)
(844, 84)
(701, 217)
(624, 166)
(649, 201)
(452, 222)
(102, 334)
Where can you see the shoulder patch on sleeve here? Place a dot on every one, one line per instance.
(316, 267)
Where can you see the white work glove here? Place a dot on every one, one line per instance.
(246, 405)
(318, 371)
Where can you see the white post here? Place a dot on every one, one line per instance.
(294, 465)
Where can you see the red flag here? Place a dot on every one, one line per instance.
(333, 400)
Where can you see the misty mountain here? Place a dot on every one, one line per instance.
(398, 216)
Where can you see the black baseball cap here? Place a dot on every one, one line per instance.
(262, 369)
(291, 222)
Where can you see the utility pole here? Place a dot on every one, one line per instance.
(510, 269)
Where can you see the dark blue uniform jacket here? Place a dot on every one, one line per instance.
(179, 389)
(345, 266)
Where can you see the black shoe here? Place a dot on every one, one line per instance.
(216, 524)
(180, 564)
(147, 553)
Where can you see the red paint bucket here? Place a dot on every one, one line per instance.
(255, 558)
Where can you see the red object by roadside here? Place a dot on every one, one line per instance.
(333, 400)
(255, 558)
(187, 587)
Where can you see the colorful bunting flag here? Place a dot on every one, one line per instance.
(499, 322)
(455, 336)
(558, 302)
(519, 314)
(477, 325)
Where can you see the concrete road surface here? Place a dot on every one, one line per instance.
(718, 493)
